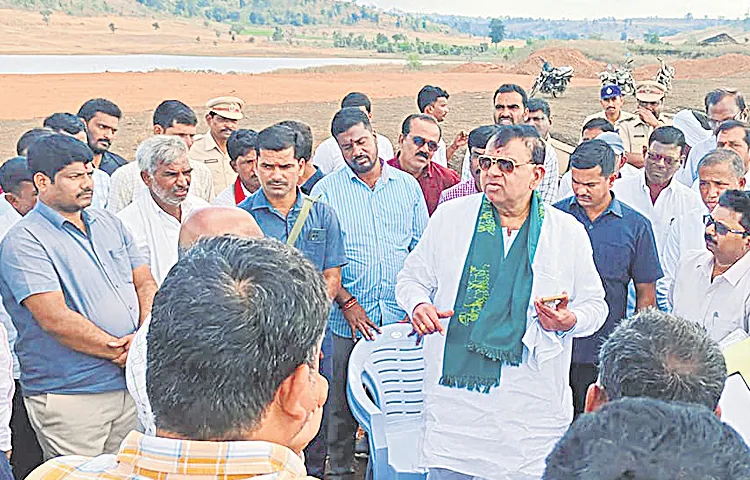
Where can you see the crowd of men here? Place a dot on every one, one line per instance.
(192, 313)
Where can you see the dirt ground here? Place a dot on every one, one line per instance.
(310, 97)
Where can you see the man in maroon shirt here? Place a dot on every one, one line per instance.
(418, 142)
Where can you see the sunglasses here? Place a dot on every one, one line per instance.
(668, 161)
(506, 165)
(420, 142)
(720, 228)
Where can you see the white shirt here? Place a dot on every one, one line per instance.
(7, 389)
(135, 377)
(156, 232)
(686, 233)
(566, 182)
(721, 306)
(226, 197)
(328, 156)
(126, 185)
(441, 154)
(102, 183)
(507, 433)
(8, 217)
(672, 202)
(689, 172)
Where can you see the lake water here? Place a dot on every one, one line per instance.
(61, 64)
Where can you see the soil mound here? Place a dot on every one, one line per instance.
(561, 57)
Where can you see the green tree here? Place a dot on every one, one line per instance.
(156, 26)
(497, 31)
(651, 38)
(112, 27)
(278, 35)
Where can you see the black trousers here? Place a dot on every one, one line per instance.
(27, 454)
(581, 376)
(341, 427)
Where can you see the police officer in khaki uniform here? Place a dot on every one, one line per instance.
(635, 132)
(211, 148)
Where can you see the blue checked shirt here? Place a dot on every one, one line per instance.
(380, 227)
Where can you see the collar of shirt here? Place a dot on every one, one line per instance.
(615, 207)
(644, 185)
(55, 218)
(428, 172)
(384, 174)
(734, 274)
(260, 202)
(155, 457)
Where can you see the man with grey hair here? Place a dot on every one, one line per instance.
(154, 219)
(508, 281)
(659, 355)
(719, 170)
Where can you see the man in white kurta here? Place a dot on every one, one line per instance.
(507, 432)
(154, 217)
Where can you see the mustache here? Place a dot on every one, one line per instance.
(709, 239)
(423, 155)
(88, 191)
(277, 183)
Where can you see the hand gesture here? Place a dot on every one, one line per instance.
(426, 319)
(123, 345)
(359, 322)
(648, 117)
(555, 318)
(461, 140)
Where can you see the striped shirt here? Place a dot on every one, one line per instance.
(142, 457)
(463, 189)
(380, 227)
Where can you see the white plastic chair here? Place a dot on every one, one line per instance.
(391, 368)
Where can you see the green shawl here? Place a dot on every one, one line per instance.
(489, 322)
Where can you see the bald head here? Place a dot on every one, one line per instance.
(217, 221)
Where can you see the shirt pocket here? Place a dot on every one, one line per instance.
(120, 265)
(315, 246)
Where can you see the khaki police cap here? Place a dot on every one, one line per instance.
(227, 107)
(649, 91)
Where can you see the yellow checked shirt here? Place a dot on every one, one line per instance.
(143, 457)
(206, 151)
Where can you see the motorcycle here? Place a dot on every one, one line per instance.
(665, 75)
(552, 80)
(621, 76)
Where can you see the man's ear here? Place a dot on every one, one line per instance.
(146, 177)
(158, 130)
(743, 182)
(717, 411)
(293, 396)
(525, 115)
(596, 397)
(645, 151)
(41, 181)
(623, 159)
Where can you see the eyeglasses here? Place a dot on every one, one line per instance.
(720, 228)
(506, 165)
(668, 161)
(714, 124)
(420, 142)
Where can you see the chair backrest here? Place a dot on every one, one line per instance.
(393, 372)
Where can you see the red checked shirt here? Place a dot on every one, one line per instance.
(433, 181)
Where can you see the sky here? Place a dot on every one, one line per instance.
(571, 9)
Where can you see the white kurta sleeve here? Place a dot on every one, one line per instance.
(7, 388)
(587, 299)
(670, 257)
(417, 281)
